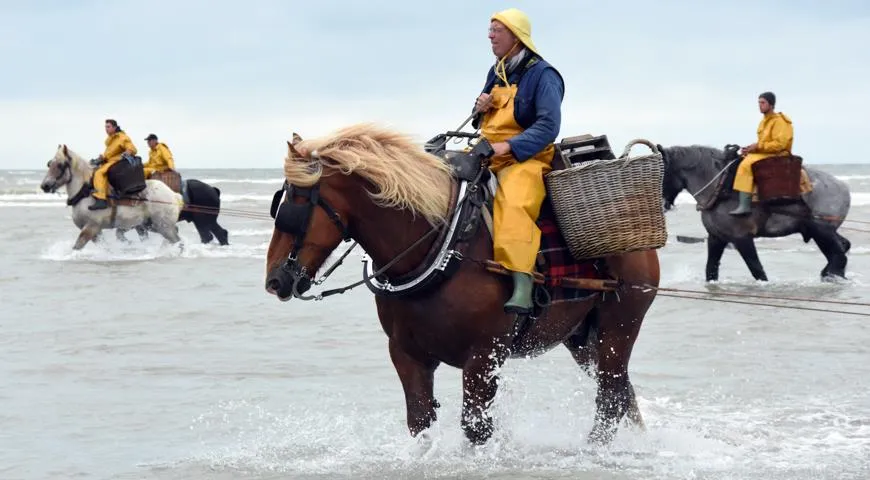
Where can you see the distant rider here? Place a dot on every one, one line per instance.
(775, 137)
(159, 158)
(117, 143)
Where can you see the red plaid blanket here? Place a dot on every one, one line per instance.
(558, 262)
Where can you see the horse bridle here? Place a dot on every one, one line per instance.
(295, 219)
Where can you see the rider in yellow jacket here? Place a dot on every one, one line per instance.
(775, 138)
(117, 144)
(159, 158)
(521, 116)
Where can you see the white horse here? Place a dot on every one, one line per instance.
(159, 205)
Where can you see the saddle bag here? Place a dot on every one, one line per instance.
(607, 206)
(171, 178)
(778, 179)
(127, 176)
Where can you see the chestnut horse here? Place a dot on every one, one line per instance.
(380, 189)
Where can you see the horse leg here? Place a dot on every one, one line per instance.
(204, 234)
(142, 232)
(831, 245)
(119, 234)
(418, 379)
(88, 233)
(584, 351)
(746, 247)
(715, 248)
(619, 326)
(219, 232)
(847, 245)
(480, 384)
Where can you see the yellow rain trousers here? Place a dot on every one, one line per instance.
(775, 137)
(159, 159)
(116, 145)
(521, 191)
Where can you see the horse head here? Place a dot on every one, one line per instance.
(673, 181)
(310, 222)
(60, 170)
(732, 151)
(375, 184)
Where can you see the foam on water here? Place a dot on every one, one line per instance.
(539, 434)
(109, 249)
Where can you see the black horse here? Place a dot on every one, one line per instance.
(202, 203)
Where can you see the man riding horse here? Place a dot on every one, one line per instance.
(117, 144)
(519, 113)
(159, 157)
(775, 137)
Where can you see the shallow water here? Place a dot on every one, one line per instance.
(142, 361)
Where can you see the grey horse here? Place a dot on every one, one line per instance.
(707, 173)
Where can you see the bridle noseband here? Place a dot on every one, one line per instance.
(295, 219)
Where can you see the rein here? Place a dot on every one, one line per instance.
(288, 222)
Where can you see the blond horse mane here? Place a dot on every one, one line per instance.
(404, 175)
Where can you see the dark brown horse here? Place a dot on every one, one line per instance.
(379, 189)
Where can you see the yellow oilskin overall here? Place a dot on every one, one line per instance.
(521, 191)
(159, 160)
(775, 137)
(116, 145)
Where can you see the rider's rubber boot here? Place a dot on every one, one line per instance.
(521, 300)
(99, 204)
(745, 205)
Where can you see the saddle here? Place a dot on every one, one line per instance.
(779, 180)
(558, 277)
(126, 180)
(170, 177)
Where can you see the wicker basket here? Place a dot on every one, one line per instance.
(778, 179)
(607, 207)
(170, 177)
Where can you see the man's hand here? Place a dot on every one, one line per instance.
(483, 103)
(749, 149)
(501, 148)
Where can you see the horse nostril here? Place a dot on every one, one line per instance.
(273, 284)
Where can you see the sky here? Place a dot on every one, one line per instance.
(225, 83)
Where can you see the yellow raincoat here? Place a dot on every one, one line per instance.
(159, 159)
(521, 190)
(116, 144)
(775, 137)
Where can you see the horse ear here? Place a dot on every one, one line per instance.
(296, 138)
(65, 152)
(660, 147)
(293, 152)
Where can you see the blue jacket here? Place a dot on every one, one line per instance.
(537, 106)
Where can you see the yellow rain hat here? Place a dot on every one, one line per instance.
(518, 23)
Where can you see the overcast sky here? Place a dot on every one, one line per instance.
(225, 83)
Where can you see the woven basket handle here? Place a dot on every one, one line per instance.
(634, 142)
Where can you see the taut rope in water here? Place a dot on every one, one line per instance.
(681, 293)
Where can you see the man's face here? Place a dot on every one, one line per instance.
(763, 106)
(501, 38)
(110, 129)
(152, 143)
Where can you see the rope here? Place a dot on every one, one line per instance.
(759, 304)
(769, 297)
(676, 294)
